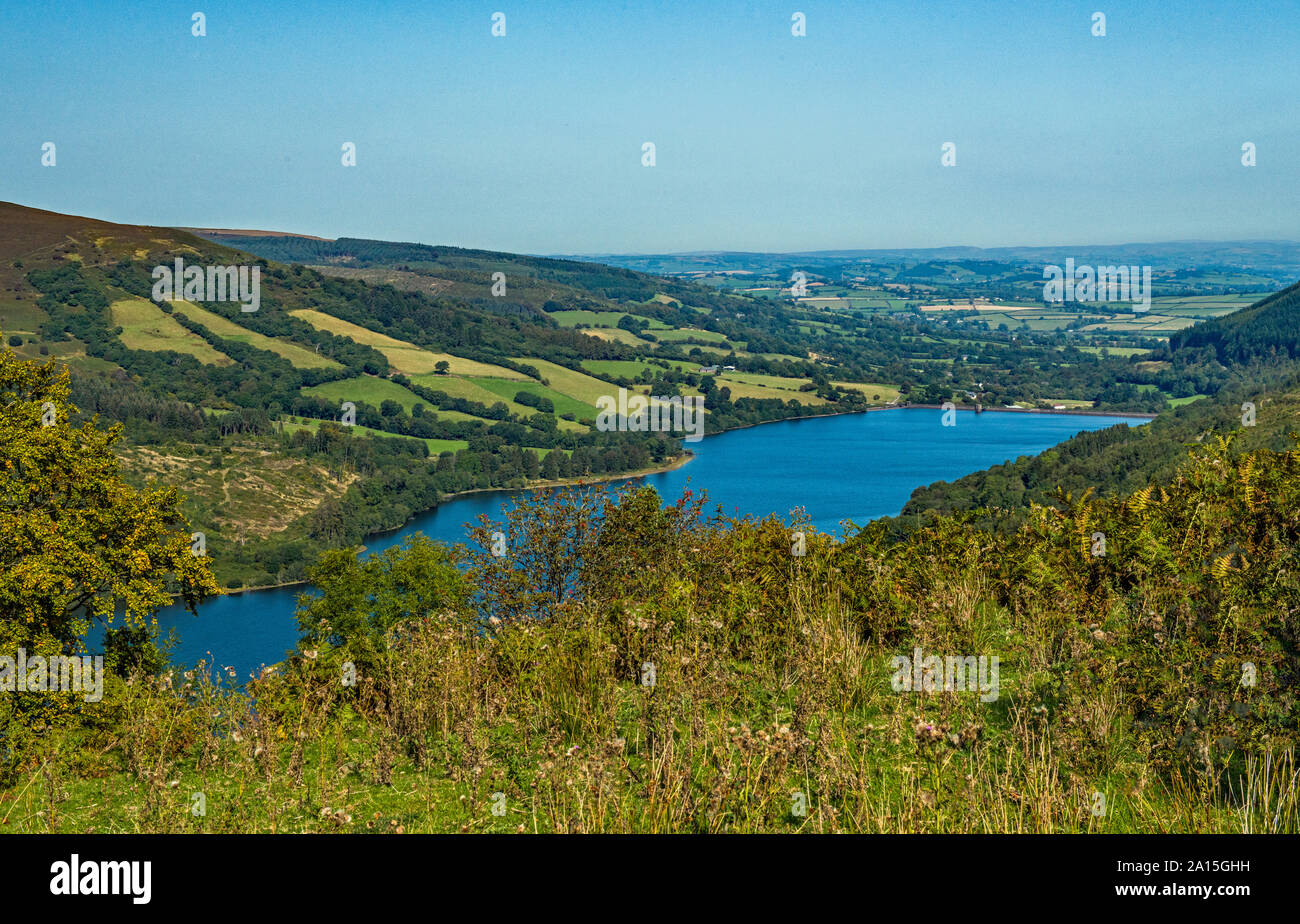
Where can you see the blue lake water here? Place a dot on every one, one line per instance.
(852, 467)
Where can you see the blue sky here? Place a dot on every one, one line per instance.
(764, 141)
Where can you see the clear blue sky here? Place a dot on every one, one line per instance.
(532, 142)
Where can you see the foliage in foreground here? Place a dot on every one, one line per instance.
(623, 666)
(77, 547)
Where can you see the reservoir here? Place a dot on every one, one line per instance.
(853, 467)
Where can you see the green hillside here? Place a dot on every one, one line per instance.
(1268, 328)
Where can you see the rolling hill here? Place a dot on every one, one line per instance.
(451, 388)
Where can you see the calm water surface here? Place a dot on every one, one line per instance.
(852, 467)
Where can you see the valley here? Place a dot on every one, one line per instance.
(457, 389)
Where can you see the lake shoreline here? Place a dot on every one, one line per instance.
(853, 469)
(686, 456)
(1064, 412)
(676, 463)
(1069, 412)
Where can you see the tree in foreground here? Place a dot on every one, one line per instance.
(77, 544)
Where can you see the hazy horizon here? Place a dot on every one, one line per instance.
(296, 232)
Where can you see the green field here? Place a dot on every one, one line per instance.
(488, 390)
(375, 391)
(474, 389)
(506, 389)
(631, 368)
(887, 393)
(20, 316)
(617, 334)
(714, 353)
(403, 356)
(300, 357)
(690, 333)
(760, 385)
(860, 302)
(620, 368)
(577, 385)
(435, 445)
(1114, 351)
(146, 327)
(748, 390)
(600, 318)
(762, 378)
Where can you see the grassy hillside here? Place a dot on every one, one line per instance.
(247, 396)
